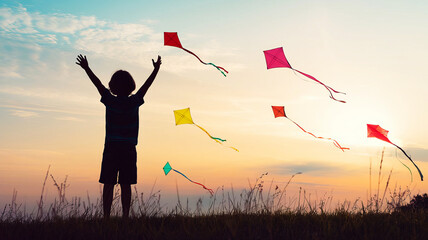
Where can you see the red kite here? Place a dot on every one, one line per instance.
(275, 58)
(377, 132)
(171, 39)
(279, 111)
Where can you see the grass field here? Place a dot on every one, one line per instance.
(255, 213)
(340, 225)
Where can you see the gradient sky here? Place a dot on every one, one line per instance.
(375, 51)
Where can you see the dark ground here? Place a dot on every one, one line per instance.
(398, 225)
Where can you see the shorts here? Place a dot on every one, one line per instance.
(119, 158)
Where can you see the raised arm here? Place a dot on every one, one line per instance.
(83, 62)
(143, 90)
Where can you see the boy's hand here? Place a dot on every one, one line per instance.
(157, 63)
(82, 61)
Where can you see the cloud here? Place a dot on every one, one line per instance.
(417, 154)
(17, 24)
(23, 114)
(10, 71)
(16, 20)
(64, 23)
(19, 20)
(50, 109)
(314, 184)
(126, 42)
(82, 32)
(49, 94)
(312, 168)
(60, 114)
(73, 119)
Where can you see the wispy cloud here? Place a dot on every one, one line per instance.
(81, 32)
(16, 20)
(312, 168)
(47, 94)
(10, 71)
(48, 109)
(417, 154)
(314, 184)
(17, 23)
(91, 33)
(23, 114)
(64, 23)
(19, 20)
(126, 42)
(73, 119)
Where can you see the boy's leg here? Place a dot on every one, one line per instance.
(126, 199)
(107, 199)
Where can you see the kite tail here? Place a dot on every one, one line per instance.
(222, 70)
(334, 141)
(234, 149)
(411, 174)
(218, 140)
(209, 190)
(214, 138)
(338, 145)
(420, 173)
(329, 89)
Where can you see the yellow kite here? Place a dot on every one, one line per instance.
(183, 116)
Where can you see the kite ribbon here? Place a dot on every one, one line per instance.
(218, 140)
(334, 141)
(420, 173)
(329, 89)
(222, 70)
(214, 138)
(209, 190)
(411, 174)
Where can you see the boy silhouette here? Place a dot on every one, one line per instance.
(120, 155)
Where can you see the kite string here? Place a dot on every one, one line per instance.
(334, 141)
(329, 89)
(209, 190)
(420, 173)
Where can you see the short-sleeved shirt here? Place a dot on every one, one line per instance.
(122, 119)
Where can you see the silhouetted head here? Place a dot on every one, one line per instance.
(121, 83)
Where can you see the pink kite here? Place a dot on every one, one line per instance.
(275, 58)
(278, 111)
(377, 132)
(171, 39)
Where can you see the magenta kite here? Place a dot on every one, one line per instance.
(275, 58)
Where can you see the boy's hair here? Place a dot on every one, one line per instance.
(121, 83)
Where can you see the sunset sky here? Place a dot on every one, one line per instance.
(375, 51)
